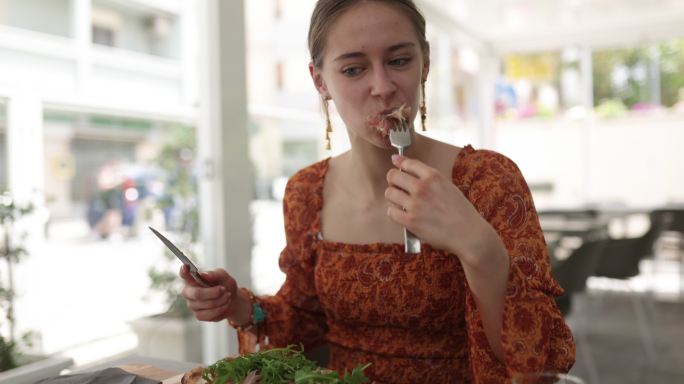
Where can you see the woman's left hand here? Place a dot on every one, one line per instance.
(433, 208)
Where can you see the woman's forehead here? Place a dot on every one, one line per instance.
(369, 26)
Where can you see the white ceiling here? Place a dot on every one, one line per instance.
(528, 25)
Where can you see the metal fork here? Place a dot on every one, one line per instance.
(400, 137)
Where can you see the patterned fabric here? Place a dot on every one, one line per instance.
(413, 316)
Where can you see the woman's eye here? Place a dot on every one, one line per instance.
(400, 62)
(351, 71)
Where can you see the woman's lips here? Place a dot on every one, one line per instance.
(388, 118)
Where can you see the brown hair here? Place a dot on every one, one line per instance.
(327, 11)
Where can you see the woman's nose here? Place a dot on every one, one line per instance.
(382, 84)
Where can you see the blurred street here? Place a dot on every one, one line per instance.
(80, 298)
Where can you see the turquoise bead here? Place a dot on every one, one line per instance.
(259, 314)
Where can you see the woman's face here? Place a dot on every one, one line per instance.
(372, 62)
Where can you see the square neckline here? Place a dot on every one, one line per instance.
(374, 247)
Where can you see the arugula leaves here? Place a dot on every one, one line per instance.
(279, 366)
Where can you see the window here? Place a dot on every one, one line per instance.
(107, 178)
(639, 79)
(103, 36)
(671, 54)
(45, 16)
(298, 154)
(622, 76)
(106, 24)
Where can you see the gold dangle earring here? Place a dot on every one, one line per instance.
(423, 108)
(328, 125)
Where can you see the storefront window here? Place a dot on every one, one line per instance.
(530, 86)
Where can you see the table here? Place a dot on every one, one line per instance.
(167, 371)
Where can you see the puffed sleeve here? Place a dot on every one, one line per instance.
(535, 336)
(294, 315)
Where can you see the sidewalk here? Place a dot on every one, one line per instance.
(79, 291)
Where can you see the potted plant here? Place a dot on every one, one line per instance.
(15, 366)
(174, 334)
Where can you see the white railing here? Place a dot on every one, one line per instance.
(168, 6)
(44, 44)
(124, 59)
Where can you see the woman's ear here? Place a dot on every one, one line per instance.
(318, 81)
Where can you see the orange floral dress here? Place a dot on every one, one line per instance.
(413, 316)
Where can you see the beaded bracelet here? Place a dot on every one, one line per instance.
(256, 315)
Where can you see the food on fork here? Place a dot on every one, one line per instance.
(271, 366)
(386, 120)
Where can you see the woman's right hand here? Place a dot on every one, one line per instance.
(216, 303)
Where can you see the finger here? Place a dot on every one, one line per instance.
(412, 166)
(187, 277)
(402, 180)
(184, 273)
(398, 197)
(398, 215)
(390, 204)
(216, 314)
(222, 302)
(200, 293)
(216, 277)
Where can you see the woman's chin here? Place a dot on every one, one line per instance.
(378, 139)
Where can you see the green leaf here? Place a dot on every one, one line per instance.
(279, 365)
(7, 353)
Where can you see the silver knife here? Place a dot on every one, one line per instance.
(194, 272)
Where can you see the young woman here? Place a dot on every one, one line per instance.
(475, 305)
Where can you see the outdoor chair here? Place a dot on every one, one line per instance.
(674, 219)
(621, 257)
(670, 246)
(572, 273)
(619, 261)
(674, 225)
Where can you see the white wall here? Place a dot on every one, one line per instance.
(36, 71)
(636, 161)
(118, 84)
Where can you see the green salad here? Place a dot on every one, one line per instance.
(278, 366)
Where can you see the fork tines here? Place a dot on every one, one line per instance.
(400, 136)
